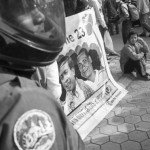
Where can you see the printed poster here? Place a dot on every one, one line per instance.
(89, 91)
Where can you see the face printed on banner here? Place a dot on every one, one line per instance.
(67, 76)
(85, 65)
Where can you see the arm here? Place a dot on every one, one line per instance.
(132, 54)
(98, 14)
(145, 48)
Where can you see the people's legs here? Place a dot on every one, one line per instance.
(144, 23)
(126, 27)
(137, 65)
(140, 68)
(129, 66)
(112, 28)
(117, 28)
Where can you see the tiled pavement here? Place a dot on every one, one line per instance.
(127, 126)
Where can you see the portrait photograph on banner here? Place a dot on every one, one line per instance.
(89, 91)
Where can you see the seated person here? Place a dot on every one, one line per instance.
(132, 56)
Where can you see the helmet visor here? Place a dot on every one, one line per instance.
(37, 23)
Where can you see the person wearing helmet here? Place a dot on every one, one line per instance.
(32, 34)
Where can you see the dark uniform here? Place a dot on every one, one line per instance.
(32, 35)
(31, 119)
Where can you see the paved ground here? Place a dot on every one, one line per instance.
(127, 126)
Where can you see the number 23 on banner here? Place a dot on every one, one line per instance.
(78, 34)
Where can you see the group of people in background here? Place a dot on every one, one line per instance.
(109, 14)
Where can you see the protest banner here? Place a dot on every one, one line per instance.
(89, 91)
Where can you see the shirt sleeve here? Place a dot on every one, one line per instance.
(132, 54)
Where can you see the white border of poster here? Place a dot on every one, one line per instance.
(90, 92)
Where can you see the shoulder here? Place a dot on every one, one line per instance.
(24, 98)
(30, 94)
(127, 47)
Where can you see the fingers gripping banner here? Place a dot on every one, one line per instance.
(88, 90)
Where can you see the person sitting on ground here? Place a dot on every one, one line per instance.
(132, 56)
(76, 90)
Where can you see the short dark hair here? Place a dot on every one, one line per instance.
(65, 59)
(83, 50)
(132, 33)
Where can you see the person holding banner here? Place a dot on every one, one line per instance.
(76, 90)
(95, 78)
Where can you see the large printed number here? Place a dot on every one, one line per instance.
(80, 33)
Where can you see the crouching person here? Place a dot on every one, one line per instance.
(133, 56)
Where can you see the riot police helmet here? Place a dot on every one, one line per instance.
(34, 31)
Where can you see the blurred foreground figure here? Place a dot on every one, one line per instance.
(32, 35)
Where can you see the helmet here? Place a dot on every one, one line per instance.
(35, 30)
